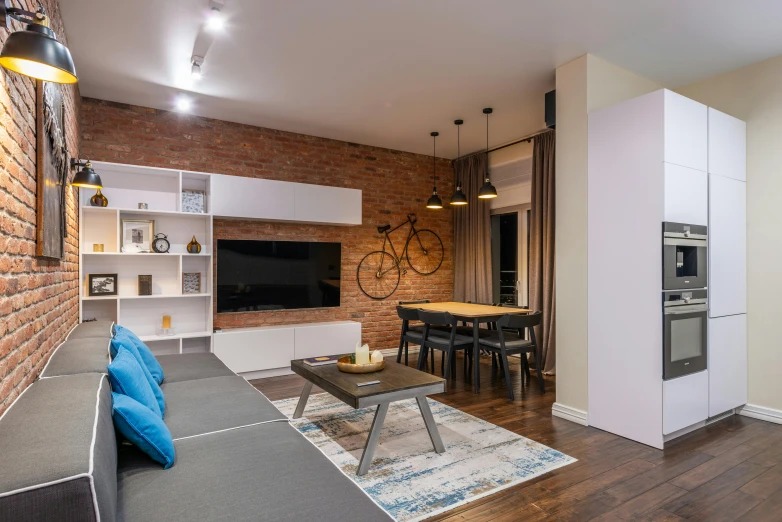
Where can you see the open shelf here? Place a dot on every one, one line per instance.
(145, 211)
(154, 296)
(186, 335)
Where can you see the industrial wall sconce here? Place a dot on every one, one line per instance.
(86, 177)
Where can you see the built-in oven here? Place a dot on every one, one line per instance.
(684, 332)
(684, 256)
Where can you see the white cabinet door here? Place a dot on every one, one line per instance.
(727, 145)
(685, 401)
(313, 340)
(686, 195)
(727, 246)
(685, 132)
(727, 363)
(255, 198)
(254, 349)
(334, 205)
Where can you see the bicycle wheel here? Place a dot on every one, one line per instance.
(378, 274)
(425, 252)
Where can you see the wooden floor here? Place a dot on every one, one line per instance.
(728, 471)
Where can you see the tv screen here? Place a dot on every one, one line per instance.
(277, 275)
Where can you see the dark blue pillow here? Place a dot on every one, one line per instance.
(122, 341)
(143, 428)
(146, 354)
(127, 377)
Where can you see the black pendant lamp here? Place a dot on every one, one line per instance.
(487, 190)
(435, 203)
(35, 52)
(458, 197)
(86, 177)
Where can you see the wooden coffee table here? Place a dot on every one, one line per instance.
(397, 383)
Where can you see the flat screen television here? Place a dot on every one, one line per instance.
(277, 275)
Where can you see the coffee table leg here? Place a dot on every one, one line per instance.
(431, 426)
(305, 394)
(374, 435)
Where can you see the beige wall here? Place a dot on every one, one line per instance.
(583, 85)
(754, 94)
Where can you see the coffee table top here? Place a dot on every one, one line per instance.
(397, 382)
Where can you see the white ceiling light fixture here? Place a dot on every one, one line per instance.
(183, 104)
(195, 69)
(215, 21)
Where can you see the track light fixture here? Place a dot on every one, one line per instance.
(487, 191)
(195, 69)
(86, 177)
(434, 203)
(215, 20)
(458, 197)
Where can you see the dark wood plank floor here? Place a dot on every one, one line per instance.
(728, 471)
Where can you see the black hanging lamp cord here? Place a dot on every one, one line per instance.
(434, 201)
(458, 197)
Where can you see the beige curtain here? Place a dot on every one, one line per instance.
(541, 246)
(472, 234)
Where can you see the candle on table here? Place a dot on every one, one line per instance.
(362, 354)
(166, 322)
(377, 356)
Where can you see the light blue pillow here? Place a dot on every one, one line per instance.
(143, 428)
(122, 341)
(147, 357)
(127, 377)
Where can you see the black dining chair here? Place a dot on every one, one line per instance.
(505, 342)
(449, 342)
(410, 334)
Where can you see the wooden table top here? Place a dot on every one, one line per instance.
(393, 378)
(468, 309)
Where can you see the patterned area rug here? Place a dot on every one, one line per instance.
(407, 478)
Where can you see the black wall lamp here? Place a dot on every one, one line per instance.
(86, 177)
(35, 52)
(487, 191)
(458, 197)
(434, 202)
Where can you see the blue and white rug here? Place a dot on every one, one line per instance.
(407, 478)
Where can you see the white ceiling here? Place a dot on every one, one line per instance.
(386, 73)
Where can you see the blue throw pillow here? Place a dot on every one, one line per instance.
(146, 354)
(127, 377)
(122, 341)
(143, 428)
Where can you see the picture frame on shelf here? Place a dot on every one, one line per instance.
(137, 235)
(101, 285)
(191, 283)
(193, 201)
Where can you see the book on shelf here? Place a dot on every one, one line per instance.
(322, 360)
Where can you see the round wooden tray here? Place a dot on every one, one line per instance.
(344, 365)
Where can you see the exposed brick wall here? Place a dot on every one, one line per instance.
(393, 183)
(38, 298)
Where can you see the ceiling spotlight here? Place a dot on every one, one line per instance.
(195, 70)
(215, 21)
(183, 104)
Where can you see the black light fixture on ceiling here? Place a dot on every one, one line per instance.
(434, 202)
(458, 197)
(86, 177)
(487, 190)
(35, 52)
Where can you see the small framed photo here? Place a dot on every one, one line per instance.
(191, 283)
(193, 201)
(137, 235)
(102, 284)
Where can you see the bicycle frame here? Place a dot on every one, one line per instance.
(398, 258)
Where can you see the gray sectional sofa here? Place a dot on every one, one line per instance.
(237, 458)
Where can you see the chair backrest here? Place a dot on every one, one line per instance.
(414, 302)
(486, 304)
(407, 314)
(441, 318)
(508, 305)
(519, 321)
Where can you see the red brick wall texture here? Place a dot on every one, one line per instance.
(394, 184)
(38, 298)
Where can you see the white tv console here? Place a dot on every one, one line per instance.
(267, 351)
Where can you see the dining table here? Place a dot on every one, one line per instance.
(473, 313)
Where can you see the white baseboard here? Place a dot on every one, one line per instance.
(568, 413)
(759, 412)
(263, 374)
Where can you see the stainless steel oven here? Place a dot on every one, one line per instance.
(684, 333)
(684, 256)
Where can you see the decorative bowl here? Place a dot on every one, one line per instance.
(344, 365)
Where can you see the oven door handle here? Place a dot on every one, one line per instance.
(670, 241)
(694, 310)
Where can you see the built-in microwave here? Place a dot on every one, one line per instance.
(684, 333)
(684, 256)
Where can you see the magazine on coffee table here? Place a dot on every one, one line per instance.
(322, 360)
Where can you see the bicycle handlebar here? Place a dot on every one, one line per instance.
(412, 218)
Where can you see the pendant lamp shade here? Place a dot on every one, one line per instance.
(86, 177)
(458, 197)
(487, 191)
(434, 202)
(35, 52)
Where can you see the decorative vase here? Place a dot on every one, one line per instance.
(99, 200)
(193, 247)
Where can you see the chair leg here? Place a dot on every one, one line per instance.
(447, 371)
(453, 364)
(506, 370)
(540, 374)
(493, 361)
(442, 365)
(526, 364)
(399, 353)
(422, 358)
(407, 349)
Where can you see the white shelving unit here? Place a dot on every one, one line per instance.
(126, 186)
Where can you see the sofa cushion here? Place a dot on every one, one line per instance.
(58, 452)
(213, 404)
(147, 358)
(189, 366)
(103, 329)
(127, 377)
(143, 428)
(125, 342)
(261, 473)
(90, 355)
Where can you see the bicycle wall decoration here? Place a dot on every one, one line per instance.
(379, 272)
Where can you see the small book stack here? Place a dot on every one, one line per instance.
(320, 361)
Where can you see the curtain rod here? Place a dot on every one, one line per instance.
(527, 138)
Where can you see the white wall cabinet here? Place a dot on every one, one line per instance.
(685, 401)
(685, 132)
(686, 195)
(727, 246)
(727, 363)
(727, 146)
(334, 338)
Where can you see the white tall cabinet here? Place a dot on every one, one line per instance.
(662, 157)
